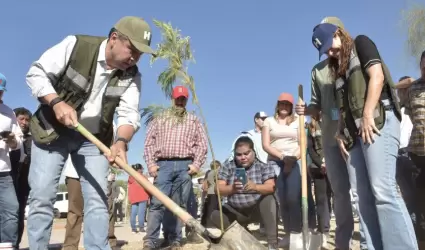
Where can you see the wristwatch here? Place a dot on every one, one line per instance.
(123, 140)
(55, 101)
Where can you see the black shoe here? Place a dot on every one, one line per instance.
(176, 246)
(148, 248)
(164, 244)
(194, 238)
(142, 230)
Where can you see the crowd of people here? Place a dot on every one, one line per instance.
(365, 139)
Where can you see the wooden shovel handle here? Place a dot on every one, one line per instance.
(142, 180)
(303, 145)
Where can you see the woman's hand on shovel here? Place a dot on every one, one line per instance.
(117, 150)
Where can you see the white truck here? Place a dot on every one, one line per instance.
(60, 207)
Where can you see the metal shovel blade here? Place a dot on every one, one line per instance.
(237, 238)
(313, 240)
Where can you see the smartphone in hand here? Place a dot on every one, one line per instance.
(240, 175)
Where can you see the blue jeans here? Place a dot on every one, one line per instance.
(175, 182)
(9, 208)
(46, 168)
(289, 192)
(386, 221)
(342, 178)
(192, 209)
(138, 209)
(192, 204)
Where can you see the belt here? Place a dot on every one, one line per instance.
(388, 104)
(176, 159)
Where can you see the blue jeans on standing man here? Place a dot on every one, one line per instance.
(387, 224)
(9, 208)
(192, 209)
(174, 181)
(46, 168)
(138, 210)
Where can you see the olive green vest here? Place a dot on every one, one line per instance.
(316, 139)
(351, 92)
(74, 86)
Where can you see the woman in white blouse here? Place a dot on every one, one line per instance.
(280, 141)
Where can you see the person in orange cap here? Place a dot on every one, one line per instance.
(280, 141)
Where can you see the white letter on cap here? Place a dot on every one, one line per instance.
(147, 35)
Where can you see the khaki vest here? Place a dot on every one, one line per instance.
(74, 86)
(351, 93)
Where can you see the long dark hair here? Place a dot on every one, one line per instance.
(339, 66)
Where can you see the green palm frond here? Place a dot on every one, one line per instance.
(151, 112)
(162, 114)
(177, 51)
(414, 22)
(166, 79)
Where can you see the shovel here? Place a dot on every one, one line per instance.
(234, 238)
(310, 241)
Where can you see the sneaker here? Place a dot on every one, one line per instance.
(142, 230)
(194, 238)
(176, 246)
(134, 231)
(284, 242)
(325, 238)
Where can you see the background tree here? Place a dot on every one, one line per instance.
(413, 21)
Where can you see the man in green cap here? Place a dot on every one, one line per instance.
(342, 176)
(87, 80)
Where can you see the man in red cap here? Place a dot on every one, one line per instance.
(175, 149)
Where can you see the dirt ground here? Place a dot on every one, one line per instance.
(128, 240)
(255, 231)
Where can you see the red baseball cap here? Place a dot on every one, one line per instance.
(286, 97)
(179, 91)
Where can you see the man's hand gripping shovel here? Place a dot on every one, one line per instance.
(234, 238)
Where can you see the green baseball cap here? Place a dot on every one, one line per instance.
(333, 20)
(137, 31)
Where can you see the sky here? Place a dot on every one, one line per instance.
(246, 52)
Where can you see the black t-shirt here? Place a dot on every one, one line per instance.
(368, 55)
(367, 51)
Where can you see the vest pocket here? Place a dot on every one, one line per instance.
(43, 125)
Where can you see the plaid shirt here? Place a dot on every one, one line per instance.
(415, 108)
(259, 173)
(167, 139)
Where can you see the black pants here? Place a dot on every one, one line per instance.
(22, 189)
(323, 194)
(265, 211)
(210, 205)
(118, 211)
(419, 161)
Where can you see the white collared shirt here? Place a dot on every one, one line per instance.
(8, 122)
(54, 61)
